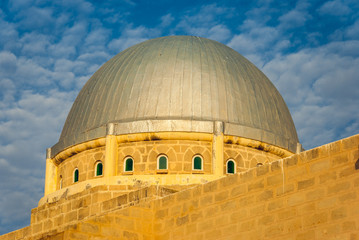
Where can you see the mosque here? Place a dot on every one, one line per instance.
(181, 137)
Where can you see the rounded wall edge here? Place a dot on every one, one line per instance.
(172, 125)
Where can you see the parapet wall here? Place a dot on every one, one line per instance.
(311, 195)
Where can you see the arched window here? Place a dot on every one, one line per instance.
(162, 162)
(197, 162)
(76, 175)
(231, 166)
(128, 165)
(98, 169)
(60, 181)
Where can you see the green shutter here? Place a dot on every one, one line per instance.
(129, 165)
(76, 175)
(99, 168)
(162, 164)
(230, 167)
(197, 163)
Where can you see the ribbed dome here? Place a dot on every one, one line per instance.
(180, 78)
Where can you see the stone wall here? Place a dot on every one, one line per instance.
(311, 195)
(246, 157)
(144, 153)
(85, 162)
(179, 153)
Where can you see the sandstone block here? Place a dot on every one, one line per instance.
(90, 228)
(351, 196)
(182, 220)
(262, 170)
(320, 166)
(125, 223)
(339, 213)
(130, 235)
(315, 194)
(273, 230)
(83, 213)
(293, 225)
(71, 216)
(339, 159)
(265, 195)
(315, 219)
(266, 220)
(160, 214)
(285, 189)
(256, 185)
(306, 235)
(287, 213)
(228, 206)
(338, 187)
(183, 195)
(257, 210)
(241, 189)
(327, 203)
(296, 198)
(110, 231)
(213, 234)
(274, 180)
(78, 236)
(305, 183)
(295, 173)
(273, 205)
(328, 176)
(206, 200)
(347, 171)
(221, 196)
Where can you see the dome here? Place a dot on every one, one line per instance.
(179, 83)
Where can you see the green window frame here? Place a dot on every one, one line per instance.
(162, 162)
(76, 175)
(197, 163)
(128, 164)
(231, 167)
(99, 169)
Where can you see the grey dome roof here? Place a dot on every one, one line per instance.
(182, 78)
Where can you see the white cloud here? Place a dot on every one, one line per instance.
(166, 20)
(130, 36)
(72, 38)
(204, 22)
(293, 19)
(35, 17)
(260, 41)
(320, 86)
(28, 126)
(96, 40)
(336, 8)
(35, 44)
(8, 35)
(353, 31)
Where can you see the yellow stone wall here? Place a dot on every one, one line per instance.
(179, 153)
(85, 162)
(145, 151)
(311, 195)
(246, 157)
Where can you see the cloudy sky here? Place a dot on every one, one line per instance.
(49, 49)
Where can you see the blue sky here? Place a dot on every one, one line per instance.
(49, 49)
